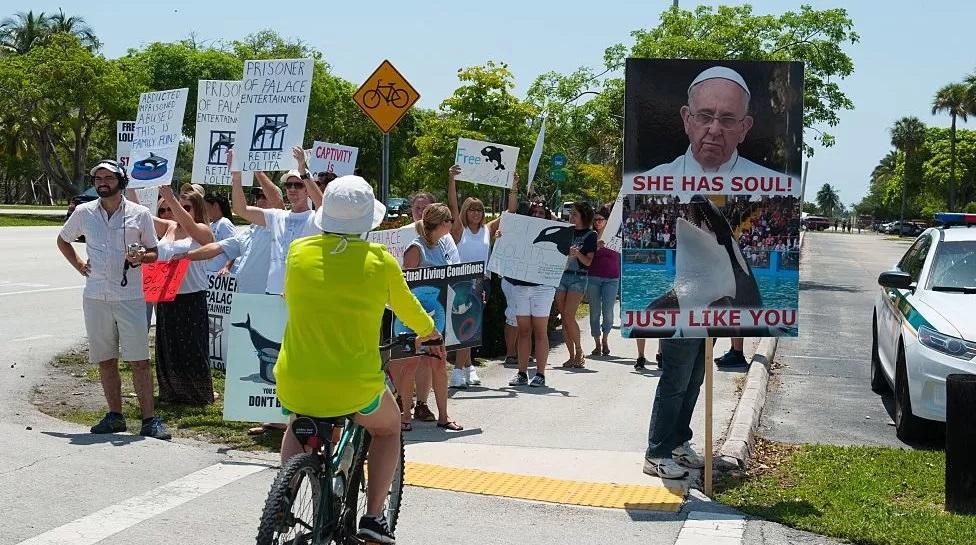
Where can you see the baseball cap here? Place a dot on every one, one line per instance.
(289, 174)
(720, 72)
(349, 207)
(108, 165)
(187, 188)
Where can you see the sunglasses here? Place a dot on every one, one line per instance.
(599, 219)
(294, 185)
(449, 220)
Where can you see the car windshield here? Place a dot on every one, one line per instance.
(90, 192)
(954, 266)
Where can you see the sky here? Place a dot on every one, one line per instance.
(907, 50)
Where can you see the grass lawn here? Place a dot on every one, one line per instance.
(35, 206)
(203, 423)
(866, 495)
(30, 221)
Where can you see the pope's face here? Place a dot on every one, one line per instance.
(715, 121)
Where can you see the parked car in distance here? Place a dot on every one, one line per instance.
(816, 223)
(397, 206)
(87, 195)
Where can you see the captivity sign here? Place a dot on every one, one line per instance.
(335, 158)
(257, 324)
(272, 114)
(453, 295)
(156, 137)
(217, 105)
(710, 238)
(486, 163)
(531, 249)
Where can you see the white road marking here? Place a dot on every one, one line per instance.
(116, 518)
(34, 338)
(702, 528)
(40, 291)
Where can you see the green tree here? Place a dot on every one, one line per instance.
(828, 200)
(22, 32)
(907, 136)
(955, 100)
(74, 26)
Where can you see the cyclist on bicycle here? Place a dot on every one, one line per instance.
(337, 286)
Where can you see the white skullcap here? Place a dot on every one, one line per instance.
(721, 72)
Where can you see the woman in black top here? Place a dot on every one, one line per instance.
(571, 288)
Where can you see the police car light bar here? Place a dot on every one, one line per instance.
(949, 219)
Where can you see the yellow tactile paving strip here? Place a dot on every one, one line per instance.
(527, 487)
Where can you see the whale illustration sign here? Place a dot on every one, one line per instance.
(709, 204)
(216, 131)
(254, 330)
(486, 163)
(531, 249)
(453, 295)
(156, 137)
(273, 110)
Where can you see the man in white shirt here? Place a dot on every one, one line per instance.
(284, 225)
(716, 120)
(119, 236)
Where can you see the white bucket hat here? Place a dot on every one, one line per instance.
(349, 207)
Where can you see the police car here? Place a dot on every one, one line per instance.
(924, 326)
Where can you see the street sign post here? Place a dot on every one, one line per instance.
(385, 97)
(558, 161)
(557, 175)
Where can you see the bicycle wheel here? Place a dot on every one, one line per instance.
(356, 493)
(371, 99)
(289, 511)
(399, 98)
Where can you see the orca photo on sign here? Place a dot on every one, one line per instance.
(710, 216)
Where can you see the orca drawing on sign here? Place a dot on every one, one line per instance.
(220, 142)
(269, 132)
(266, 350)
(150, 168)
(560, 236)
(494, 154)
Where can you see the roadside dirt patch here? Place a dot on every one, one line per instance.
(70, 386)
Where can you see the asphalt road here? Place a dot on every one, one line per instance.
(60, 484)
(821, 394)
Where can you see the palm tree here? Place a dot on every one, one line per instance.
(828, 200)
(75, 26)
(22, 32)
(955, 100)
(907, 136)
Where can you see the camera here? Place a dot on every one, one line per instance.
(133, 249)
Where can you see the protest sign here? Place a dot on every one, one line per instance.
(453, 295)
(217, 104)
(611, 230)
(123, 141)
(396, 240)
(220, 296)
(271, 119)
(257, 324)
(710, 238)
(156, 137)
(531, 249)
(335, 158)
(161, 279)
(485, 162)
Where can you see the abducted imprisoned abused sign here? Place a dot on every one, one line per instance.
(217, 105)
(710, 232)
(272, 114)
(156, 137)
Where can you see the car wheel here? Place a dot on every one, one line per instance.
(879, 384)
(908, 427)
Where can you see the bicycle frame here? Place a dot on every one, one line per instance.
(327, 517)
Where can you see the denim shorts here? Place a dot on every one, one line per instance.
(572, 281)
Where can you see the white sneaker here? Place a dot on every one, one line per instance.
(664, 468)
(459, 379)
(473, 378)
(686, 456)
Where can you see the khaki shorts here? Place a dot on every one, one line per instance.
(113, 323)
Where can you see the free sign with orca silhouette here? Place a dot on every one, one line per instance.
(254, 329)
(156, 137)
(272, 115)
(486, 163)
(218, 102)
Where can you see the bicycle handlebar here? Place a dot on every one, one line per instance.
(408, 339)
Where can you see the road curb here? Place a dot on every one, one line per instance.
(737, 448)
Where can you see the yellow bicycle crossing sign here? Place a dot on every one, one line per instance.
(386, 96)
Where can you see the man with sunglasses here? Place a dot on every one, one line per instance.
(284, 225)
(119, 237)
(716, 120)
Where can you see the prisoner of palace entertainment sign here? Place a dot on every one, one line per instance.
(386, 96)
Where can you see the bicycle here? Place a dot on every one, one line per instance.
(318, 497)
(398, 97)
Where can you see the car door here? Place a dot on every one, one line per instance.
(912, 263)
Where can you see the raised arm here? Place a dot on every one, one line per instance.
(238, 202)
(198, 231)
(310, 186)
(270, 191)
(457, 228)
(512, 207)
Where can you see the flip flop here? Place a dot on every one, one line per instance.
(450, 425)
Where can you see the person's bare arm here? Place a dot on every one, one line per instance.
(310, 186)
(512, 207)
(411, 258)
(132, 196)
(238, 202)
(69, 253)
(198, 231)
(270, 191)
(203, 253)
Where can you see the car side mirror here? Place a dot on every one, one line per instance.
(895, 279)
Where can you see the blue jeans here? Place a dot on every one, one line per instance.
(682, 374)
(601, 294)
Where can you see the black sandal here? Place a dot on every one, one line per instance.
(450, 425)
